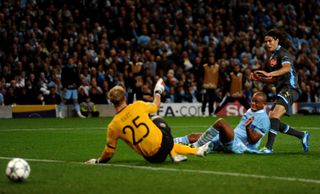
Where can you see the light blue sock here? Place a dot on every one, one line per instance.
(182, 140)
(207, 136)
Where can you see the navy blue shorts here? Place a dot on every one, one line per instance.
(166, 144)
(286, 97)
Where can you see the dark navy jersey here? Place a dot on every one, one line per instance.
(70, 77)
(279, 57)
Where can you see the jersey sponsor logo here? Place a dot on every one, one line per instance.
(273, 62)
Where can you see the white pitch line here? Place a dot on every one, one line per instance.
(103, 128)
(50, 129)
(221, 173)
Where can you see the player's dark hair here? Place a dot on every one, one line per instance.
(281, 36)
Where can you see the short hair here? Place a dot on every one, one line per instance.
(263, 96)
(117, 95)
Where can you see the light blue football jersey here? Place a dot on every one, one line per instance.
(261, 124)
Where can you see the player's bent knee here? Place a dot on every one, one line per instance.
(219, 123)
(193, 137)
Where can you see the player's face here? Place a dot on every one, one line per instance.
(271, 43)
(257, 103)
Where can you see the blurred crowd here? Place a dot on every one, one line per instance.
(134, 42)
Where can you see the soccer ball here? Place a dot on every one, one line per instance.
(18, 170)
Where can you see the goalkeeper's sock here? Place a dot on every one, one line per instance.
(182, 140)
(182, 149)
(206, 137)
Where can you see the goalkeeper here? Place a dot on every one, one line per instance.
(149, 137)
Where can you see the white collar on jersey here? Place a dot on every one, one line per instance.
(259, 111)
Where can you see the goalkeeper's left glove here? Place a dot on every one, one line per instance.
(159, 88)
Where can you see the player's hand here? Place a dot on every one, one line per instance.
(249, 121)
(254, 76)
(260, 76)
(262, 73)
(92, 161)
(159, 88)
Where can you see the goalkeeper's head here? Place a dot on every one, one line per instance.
(117, 95)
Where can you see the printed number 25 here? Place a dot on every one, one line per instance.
(137, 125)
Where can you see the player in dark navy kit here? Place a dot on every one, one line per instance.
(70, 82)
(280, 71)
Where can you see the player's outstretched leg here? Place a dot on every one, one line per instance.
(305, 141)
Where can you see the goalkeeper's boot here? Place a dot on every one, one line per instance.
(203, 150)
(178, 158)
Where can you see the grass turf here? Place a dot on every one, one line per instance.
(56, 149)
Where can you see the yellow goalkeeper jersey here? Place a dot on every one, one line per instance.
(133, 125)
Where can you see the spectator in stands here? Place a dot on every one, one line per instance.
(38, 36)
(147, 93)
(11, 97)
(96, 95)
(53, 97)
(88, 108)
(306, 94)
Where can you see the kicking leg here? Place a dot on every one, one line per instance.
(275, 116)
(303, 136)
(273, 132)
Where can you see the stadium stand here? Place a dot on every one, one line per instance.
(134, 42)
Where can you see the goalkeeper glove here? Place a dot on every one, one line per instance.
(159, 88)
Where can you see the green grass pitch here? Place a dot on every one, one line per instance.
(57, 148)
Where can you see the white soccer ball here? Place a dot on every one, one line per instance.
(18, 170)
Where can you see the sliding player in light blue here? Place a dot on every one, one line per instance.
(245, 138)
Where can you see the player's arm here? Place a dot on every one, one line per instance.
(157, 100)
(253, 135)
(259, 76)
(158, 89)
(105, 157)
(109, 148)
(108, 151)
(283, 70)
